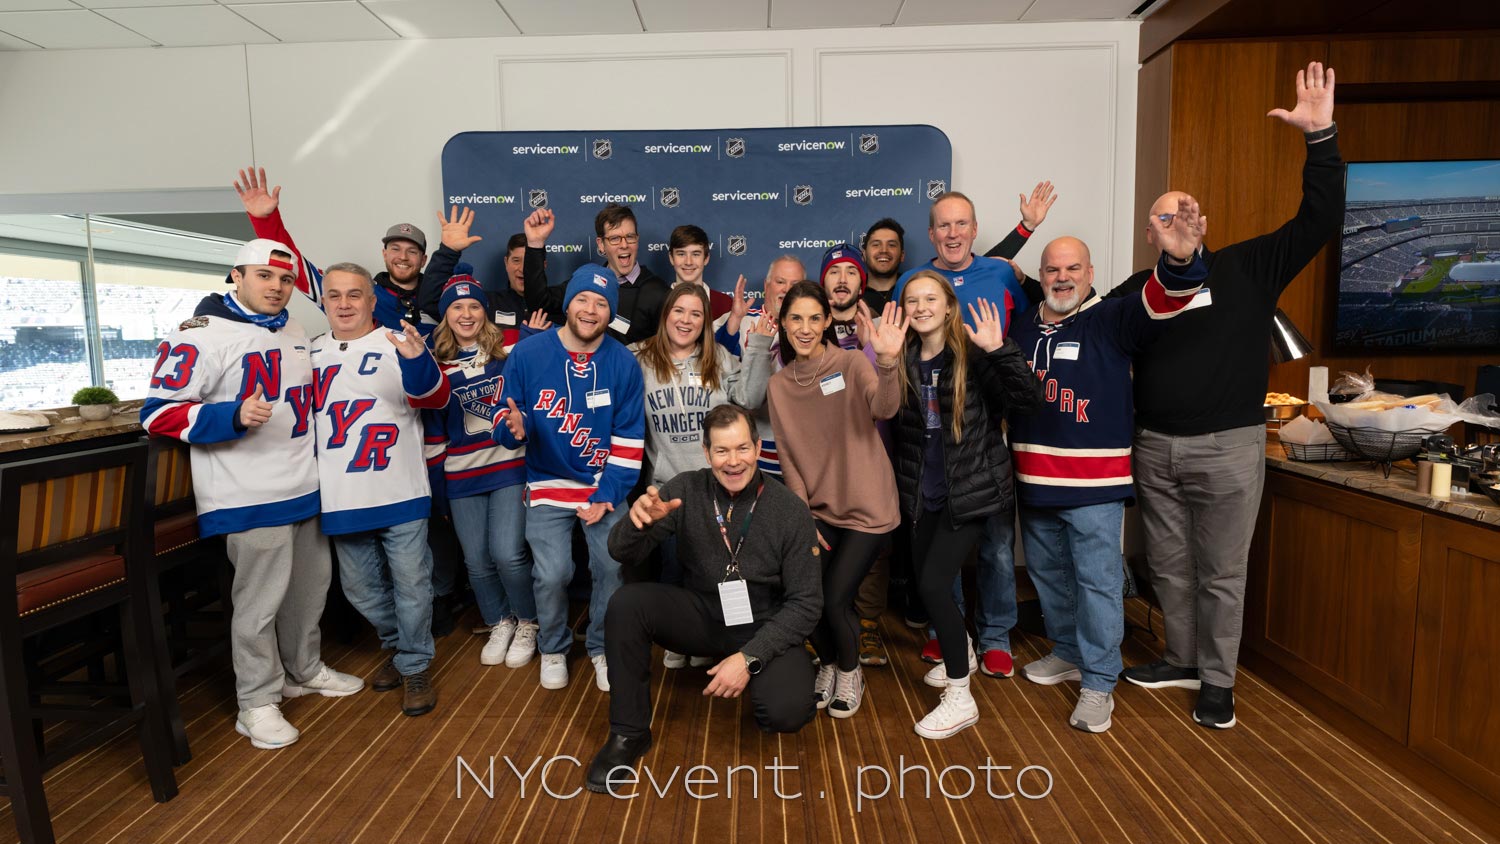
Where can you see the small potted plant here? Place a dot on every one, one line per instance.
(95, 404)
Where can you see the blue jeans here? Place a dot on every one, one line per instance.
(491, 528)
(387, 576)
(1074, 558)
(550, 532)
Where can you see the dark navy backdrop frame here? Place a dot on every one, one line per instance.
(758, 193)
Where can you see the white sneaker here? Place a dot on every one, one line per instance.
(554, 671)
(701, 661)
(673, 659)
(601, 672)
(823, 686)
(494, 650)
(957, 711)
(937, 676)
(265, 727)
(523, 646)
(326, 682)
(848, 693)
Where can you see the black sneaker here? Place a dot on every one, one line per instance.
(1160, 675)
(1215, 707)
(617, 752)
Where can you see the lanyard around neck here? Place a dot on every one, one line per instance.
(723, 521)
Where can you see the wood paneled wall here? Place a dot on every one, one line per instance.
(1399, 98)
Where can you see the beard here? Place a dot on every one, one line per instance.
(586, 333)
(1064, 303)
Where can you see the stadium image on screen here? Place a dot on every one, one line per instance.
(1419, 263)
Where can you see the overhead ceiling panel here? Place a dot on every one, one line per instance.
(189, 26)
(75, 30)
(443, 18)
(316, 21)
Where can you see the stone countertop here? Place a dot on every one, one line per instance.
(1401, 486)
(68, 428)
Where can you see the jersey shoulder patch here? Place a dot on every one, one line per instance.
(195, 322)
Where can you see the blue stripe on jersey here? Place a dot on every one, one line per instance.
(374, 518)
(274, 514)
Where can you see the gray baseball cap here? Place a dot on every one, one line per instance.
(405, 231)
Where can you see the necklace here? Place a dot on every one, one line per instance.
(798, 363)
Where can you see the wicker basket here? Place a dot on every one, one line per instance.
(1316, 452)
(1384, 447)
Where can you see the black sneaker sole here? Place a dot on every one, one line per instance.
(1213, 726)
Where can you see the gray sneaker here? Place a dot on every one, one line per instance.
(1092, 712)
(1050, 670)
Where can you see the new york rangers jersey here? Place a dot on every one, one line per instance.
(366, 401)
(242, 478)
(460, 435)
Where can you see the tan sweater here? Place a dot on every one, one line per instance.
(831, 454)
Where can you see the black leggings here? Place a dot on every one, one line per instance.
(836, 638)
(938, 552)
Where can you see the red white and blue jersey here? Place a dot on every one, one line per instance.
(366, 403)
(242, 478)
(460, 435)
(585, 420)
(990, 279)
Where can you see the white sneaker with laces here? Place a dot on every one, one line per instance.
(601, 672)
(326, 682)
(955, 712)
(554, 671)
(823, 686)
(265, 727)
(674, 660)
(522, 646)
(495, 649)
(937, 676)
(848, 693)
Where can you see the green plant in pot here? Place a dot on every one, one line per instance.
(95, 403)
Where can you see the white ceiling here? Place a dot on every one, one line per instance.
(89, 24)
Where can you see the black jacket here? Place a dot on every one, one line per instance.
(978, 467)
(640, 303)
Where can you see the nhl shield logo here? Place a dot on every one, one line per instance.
(802, 194)
(670, 197)
(603, 148)
(936, 188)
(736, 245)
(537, 198)
(869, 144)
(735, 147)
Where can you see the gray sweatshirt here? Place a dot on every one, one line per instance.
(675, 408)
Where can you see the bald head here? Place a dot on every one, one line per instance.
(1067, 276)
(1165, 204)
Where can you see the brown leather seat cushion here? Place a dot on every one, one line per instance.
(62, 581)
(175, 532)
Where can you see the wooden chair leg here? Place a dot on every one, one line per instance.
(145, 692)
(18, 747)
(165, 678)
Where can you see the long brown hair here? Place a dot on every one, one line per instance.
(656, 351)
(491, 340)
(955, 341)
(803, 290)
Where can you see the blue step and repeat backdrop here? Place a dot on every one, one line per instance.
(758, 193)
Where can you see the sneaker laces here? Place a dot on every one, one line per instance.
(418, 682)
(823, 684)
(846, 688)
(499, 633)
(1094, 697)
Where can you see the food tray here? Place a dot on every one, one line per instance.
(1316, 452)
(1383, 447)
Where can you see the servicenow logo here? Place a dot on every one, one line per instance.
(746, 196)
(658, 149)
(565, 247)
(546, 149)
(809, 146)
(479, 199)
(625, 198)
(809, 243)
(860, 193)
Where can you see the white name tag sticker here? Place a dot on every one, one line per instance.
(619, 325)
(1202, 299)
(596, 398)
(1066, 351)
(694, 379)
(503, 318)
(832, 383)
(734, 597)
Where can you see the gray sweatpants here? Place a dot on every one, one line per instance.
(281, 577)
(1199, 499)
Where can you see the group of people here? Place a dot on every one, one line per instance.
(745, 479)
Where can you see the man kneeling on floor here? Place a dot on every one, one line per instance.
(752, 593)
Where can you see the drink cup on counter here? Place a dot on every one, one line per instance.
(1442, 480)
(1424, 477)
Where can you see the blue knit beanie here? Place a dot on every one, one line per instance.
(594, 279)
(462, 286)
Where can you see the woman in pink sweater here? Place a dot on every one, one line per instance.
(824, 403)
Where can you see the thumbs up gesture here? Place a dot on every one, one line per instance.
(650, 508)
(256, 411)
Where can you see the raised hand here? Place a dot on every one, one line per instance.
(649, 508)
(889, 336)
(765, 326)
(1034, 210)
(1314, 109)
(739, 308)
(1183, 237)
(538, 321)
(862, 321)
(514, 421)
(256, 193)
(538, 226)
(456, 228)
(988, 332)
(408, 341)
(256, 411)
(594, 512)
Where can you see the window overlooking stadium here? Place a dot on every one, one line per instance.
(137, 307)
(43, 346)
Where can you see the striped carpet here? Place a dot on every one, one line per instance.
(364, 773)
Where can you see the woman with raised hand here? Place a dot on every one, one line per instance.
(952, 464)
(824, 403)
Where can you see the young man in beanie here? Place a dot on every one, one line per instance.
(236, 382)
(575, 398)
(843, 275)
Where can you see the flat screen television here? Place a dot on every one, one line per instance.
(1419, 259)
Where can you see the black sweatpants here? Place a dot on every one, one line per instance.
(836, 638)
(938, 551)
(681, 620)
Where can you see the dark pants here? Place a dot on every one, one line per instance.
(939, 551)
(836, 638)
(689, 623)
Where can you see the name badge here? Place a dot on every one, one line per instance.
(734, 598)
(503, 318)
(694, 379)
(620, 325)
(1066, 351)
(1202, 299)
(832, 384)
(596, 398)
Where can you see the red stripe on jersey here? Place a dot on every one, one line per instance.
(172, 421)
(1056, 466)
(1159, 300)
(626, 452)
(565, 495)
(485, 470)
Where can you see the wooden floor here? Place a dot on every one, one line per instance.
(363, 772)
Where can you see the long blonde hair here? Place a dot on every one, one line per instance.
(955, 341)
(656, 352)
(491, 340)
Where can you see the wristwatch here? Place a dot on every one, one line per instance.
(752, 664)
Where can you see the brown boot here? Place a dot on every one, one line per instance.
(421, 697)
(386, 677)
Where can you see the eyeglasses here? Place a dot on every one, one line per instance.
(617, 239)
(1165, 219)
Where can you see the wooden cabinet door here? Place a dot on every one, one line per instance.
(1334, 595)
(1455, 715)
